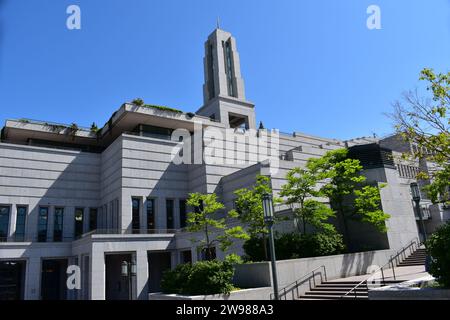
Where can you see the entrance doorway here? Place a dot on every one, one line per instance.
(53, 279)
(158, 262)
(12, 280)
(117, 286)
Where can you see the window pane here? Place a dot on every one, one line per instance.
(42, 224)
(135, 225)
(92, 219)
(169, 211)
(79, 215)
(58, 225)
(150, 214)
(20, 223)
(4, 223)
(182, 213)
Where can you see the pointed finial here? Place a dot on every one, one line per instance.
(218, 22)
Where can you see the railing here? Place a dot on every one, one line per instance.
(37, 238)
(293, 287)
(399, 256)
(131, 231)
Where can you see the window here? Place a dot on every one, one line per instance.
(4, 223)
(92, 219)
(20, 223)
(136, 204)
(58, 225)
(210, 63)
(42, 224)
(212, 253)
(182, 213)
(155, 132)
(150, 214)
(169, 212)
(229, 69)
(186, 256)
(79, 217)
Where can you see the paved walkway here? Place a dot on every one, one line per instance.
(401, 273)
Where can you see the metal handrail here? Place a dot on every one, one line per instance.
(381, 269)
(294, 285)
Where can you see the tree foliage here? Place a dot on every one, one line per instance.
(344, 186)
(300, 187)
(249, 209)
(425, 123)
(438, 246)
(215, 230)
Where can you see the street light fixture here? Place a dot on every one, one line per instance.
(415, 193)
(128, 270)
(267, 203)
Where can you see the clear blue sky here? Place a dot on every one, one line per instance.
(309, 66)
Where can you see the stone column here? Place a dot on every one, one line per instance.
(141, 275)
(33, 279)
(97, 284)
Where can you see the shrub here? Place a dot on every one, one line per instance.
(438, 246)
(295, 245)
(200, 278)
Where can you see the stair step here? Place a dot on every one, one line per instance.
(337, 293)
(364, 289)
(331, 297)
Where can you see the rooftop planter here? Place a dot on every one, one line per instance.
(140, 103)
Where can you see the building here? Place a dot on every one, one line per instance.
(72, 196)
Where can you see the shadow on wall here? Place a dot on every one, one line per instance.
(353, 264)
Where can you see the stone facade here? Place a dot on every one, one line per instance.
(122, 195)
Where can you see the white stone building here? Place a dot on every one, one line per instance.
(71, 196)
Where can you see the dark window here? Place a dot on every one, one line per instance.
(210, 63)
(42, 224)
(92, 219)
(4, 223)
(150, 214)
(186, 256)
(136, 204)
(182, 213)
(229, 68)
(58, 225)
(169, 211)
(155, 132)
(20, 223)
(208, 253)
(79, 217)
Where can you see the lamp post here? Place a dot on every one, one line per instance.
(269, 220)
(415, 192)
(128, 270)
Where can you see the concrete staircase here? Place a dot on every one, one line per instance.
(336, 289)
(416, 259)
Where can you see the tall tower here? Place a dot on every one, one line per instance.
(223, 90)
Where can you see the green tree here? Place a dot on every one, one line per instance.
(301, 185)
(425, 123)
(249, 209)
(205, 219)
(344, 186)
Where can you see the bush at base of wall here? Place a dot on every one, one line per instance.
(438, 246)
(200, 278)
(295, 245)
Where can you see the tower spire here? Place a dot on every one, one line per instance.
(218, 22)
